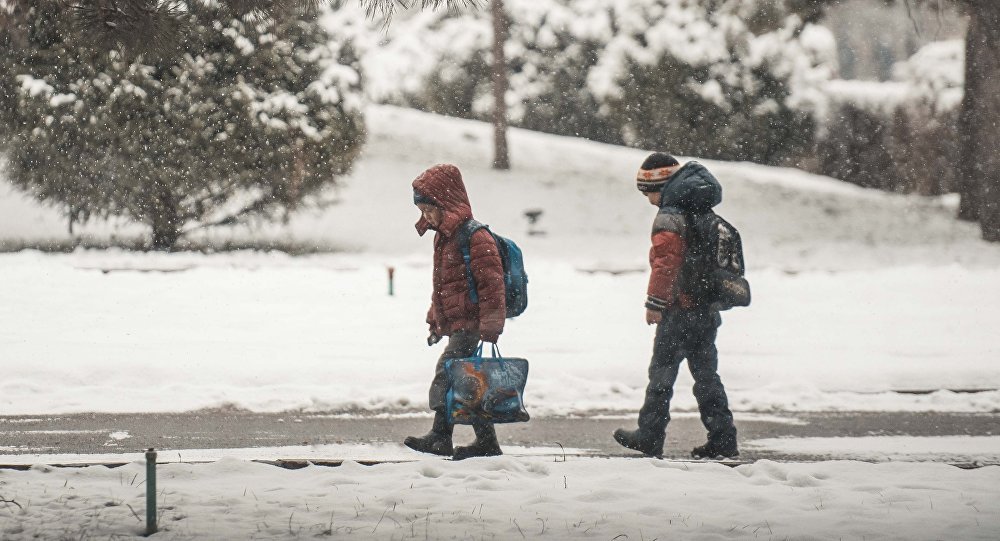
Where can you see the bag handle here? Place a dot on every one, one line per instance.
(495, 350)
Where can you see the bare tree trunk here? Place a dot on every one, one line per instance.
(979, 121)
(968, 185)
(501, 158)
(165, 221)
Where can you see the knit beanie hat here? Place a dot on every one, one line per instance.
(654, 171)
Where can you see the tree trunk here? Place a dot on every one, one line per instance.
(968, 187)
(501, 159)
(165, 222)
(979, 122)
(165, 235)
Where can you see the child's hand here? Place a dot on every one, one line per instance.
(653, 317)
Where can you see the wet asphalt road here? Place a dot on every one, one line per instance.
(223, 429)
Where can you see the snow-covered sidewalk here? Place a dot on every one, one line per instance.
(509, 498)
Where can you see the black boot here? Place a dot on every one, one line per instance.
(435, 442)
(640, 440)
(716, 450)
(486, 443)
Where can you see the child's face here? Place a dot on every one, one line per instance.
(654, 198)
(430, 213)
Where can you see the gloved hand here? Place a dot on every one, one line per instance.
(433, 338)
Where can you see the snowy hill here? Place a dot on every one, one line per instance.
(790, 220)
(857, 294)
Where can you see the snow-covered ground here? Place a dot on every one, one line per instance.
(509, 498)
(857, 294)
(272, 333)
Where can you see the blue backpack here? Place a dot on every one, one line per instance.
(514, 278)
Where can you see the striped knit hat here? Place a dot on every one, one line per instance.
(654, 171)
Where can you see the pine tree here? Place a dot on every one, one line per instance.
(254, 118)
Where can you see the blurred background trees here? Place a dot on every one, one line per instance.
(898, 95)
(724, 79)
(976, 158)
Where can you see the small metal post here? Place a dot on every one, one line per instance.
(150, 491)
(392, 270)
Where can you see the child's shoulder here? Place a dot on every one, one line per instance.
(669, 219)
(470, 229)
(473, 235)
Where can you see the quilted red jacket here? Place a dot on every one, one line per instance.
(451, 306)
(691, 189)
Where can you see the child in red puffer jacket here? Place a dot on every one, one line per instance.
(444, 205)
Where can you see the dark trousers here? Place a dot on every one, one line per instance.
(460, 344)
(687, 334)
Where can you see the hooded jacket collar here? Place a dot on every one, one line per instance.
(692, 188)
(443, 185)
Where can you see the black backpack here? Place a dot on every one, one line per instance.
(713, 265)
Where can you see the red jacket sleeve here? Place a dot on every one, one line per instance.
(432, 319)
(665, 260)
(487, 270)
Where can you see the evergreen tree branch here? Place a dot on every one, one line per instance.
(159, 26)
(130, 25)
(258, 206)
(385, 9)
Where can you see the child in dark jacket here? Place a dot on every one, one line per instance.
(444, 206)
(685, 326)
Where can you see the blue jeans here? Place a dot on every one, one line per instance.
(687, 334)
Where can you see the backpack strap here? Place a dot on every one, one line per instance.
(696, 266)
(465, 232)
(695, 229)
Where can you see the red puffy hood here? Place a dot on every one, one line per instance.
(443, 184)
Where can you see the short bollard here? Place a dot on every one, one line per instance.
(150, 491)
(391, 271)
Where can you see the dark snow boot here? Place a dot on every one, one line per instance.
(435, 442)
(716, 451)
(486, 443)
(639, 440)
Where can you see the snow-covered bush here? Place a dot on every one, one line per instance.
(252, 118)
(700, 81)
(728, 79)
(899, 135)
(935, 74)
